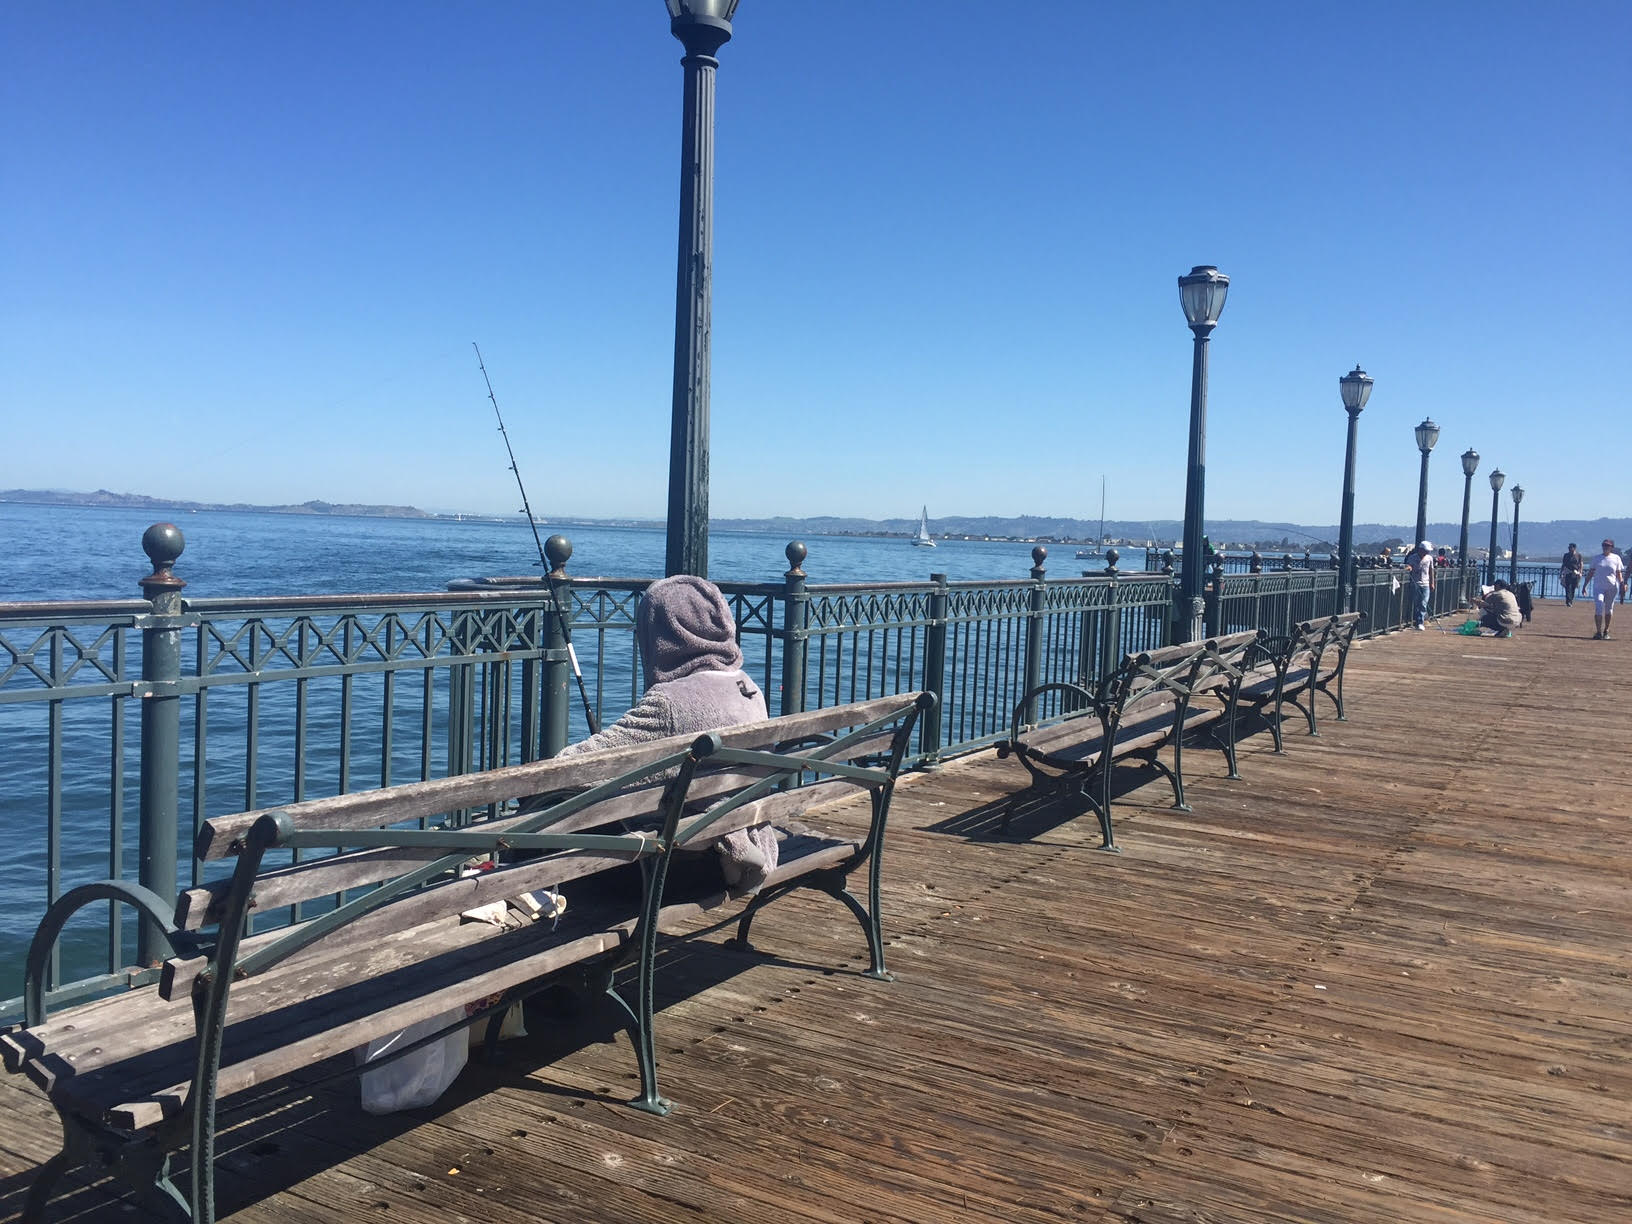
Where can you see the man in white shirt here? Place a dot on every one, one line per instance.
(1420, 563)
(1606, 579)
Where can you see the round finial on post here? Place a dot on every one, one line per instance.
(558, 550)
(795, 552)
(1039, 554)
(163, 543)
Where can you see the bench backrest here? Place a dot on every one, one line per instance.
(602, 810)
(1174, 673)
(1312, 638)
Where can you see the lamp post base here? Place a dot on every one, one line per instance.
(1189, 618)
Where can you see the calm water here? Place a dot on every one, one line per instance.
(89, 553)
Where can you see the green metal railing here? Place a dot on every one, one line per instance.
(247, 703)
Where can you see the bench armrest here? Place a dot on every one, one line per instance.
(1089, 693)
(147, 902)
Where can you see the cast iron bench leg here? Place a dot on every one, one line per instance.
(832, 883)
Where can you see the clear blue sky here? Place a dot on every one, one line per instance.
(244, 250)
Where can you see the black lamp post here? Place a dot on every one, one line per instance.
(1201, 293)
(1470, 465)
(1496, 479)
(1513, 564)
(1355, 387)
(702, 26)
(1427, 435)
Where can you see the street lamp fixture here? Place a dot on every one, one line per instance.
(1496, 479)
(703, 27)
(1513, 565)
(1202, 294)
(1355, 388)
(1427, 435)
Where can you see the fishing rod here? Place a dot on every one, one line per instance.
(543, 560)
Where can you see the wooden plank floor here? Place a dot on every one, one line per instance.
(1382, 978)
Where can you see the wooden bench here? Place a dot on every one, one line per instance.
(137, 1077)
(1134, 712)
(1291, 669)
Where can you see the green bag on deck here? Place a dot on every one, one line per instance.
(1470, 628)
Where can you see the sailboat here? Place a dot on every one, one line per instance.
(922, 540)
(1084, 554)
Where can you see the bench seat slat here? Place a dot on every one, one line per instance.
(1081, 753)
(803, 854)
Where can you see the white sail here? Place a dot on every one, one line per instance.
(922, 540)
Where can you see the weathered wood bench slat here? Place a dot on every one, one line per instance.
(323, 1016)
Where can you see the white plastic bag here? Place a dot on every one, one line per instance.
(512, 1025)
(418, 1079)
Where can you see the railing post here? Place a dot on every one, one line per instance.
(463, 633)
(929, 735)
(795, 614)
(555, 700)
(1034, 629)
(1110, 639)
(161, 729)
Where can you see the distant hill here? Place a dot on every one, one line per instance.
(141, 501)
(1537, 540)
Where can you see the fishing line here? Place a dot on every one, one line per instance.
(543, 560)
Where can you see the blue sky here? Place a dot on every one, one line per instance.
(244, 250)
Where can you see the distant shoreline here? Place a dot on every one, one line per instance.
(1537, 539)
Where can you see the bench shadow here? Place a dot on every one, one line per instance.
(282, 1136)
(1036, 811)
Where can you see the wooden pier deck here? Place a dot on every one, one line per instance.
(1383, 978)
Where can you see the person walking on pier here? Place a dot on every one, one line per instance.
(1569, 573)
(1607, 580)
(1421, 564)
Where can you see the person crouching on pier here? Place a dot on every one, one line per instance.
(1499, 610)
(694, 682)
(1606, 579)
